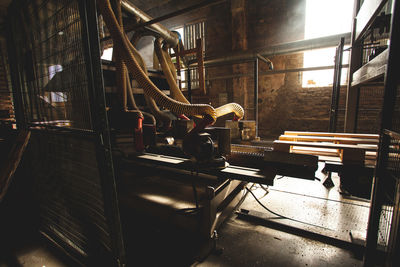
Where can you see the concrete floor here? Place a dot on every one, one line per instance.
(252, 243)
(248, 244)
(243, 243)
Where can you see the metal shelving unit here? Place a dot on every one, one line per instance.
(375, 60)
(368, 64)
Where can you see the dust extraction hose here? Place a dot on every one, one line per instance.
(160, 115)
(176, 93)
(143, 80)
(169, 71)
(148, 86)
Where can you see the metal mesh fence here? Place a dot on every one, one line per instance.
(54, 77)
(47, 35)
(68, 188)
(370, 109)
(389, 180)
(396, 112)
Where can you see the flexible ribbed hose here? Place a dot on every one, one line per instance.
(176, 93)
(229, 108)
(126, 87)
(124, 82)
(120, 68)
(169, 70)
(160, 115)
(169, 61)
(144, 81)
(130, 92)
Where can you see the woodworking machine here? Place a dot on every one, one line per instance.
(171, 164)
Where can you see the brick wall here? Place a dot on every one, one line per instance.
(283, 103)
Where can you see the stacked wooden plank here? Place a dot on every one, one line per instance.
(347, 148)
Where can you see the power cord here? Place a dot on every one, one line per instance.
(281, 216)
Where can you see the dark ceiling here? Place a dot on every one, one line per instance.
(3, 6)
(157, 8)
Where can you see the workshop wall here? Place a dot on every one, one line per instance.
(240, 25)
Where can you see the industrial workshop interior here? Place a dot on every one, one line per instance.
(199, 133)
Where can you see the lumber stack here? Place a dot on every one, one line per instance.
(347, 148)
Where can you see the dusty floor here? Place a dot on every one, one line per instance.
(250, 243)
(315, 208)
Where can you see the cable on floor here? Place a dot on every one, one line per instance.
(281, 216)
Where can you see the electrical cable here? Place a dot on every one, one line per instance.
(281, 216)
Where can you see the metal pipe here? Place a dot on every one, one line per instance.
(286, 48)
(189, 86)
(256, 94)
(266, 60)
(169, 37)
(274, 72)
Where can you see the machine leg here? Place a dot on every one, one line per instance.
(328, 183)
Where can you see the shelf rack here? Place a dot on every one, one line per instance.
(377, 24)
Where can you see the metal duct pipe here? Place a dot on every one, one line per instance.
(286, 48)
(169, 37)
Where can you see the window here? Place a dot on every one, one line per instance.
(324, 18)
(55, 97)
(107, 54)
(53, 69)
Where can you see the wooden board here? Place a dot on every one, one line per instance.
(350, 135)
(287, 144)
(349, 154)
(336, 140)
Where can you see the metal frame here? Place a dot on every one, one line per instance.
(98, 109)
(256, 93)
(98, 135)
(336, 86)
(392, 81)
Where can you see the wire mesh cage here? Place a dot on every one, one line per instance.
(389, 179)
(370, 102)
(69, 191)
(58, 84)
(51, 59)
